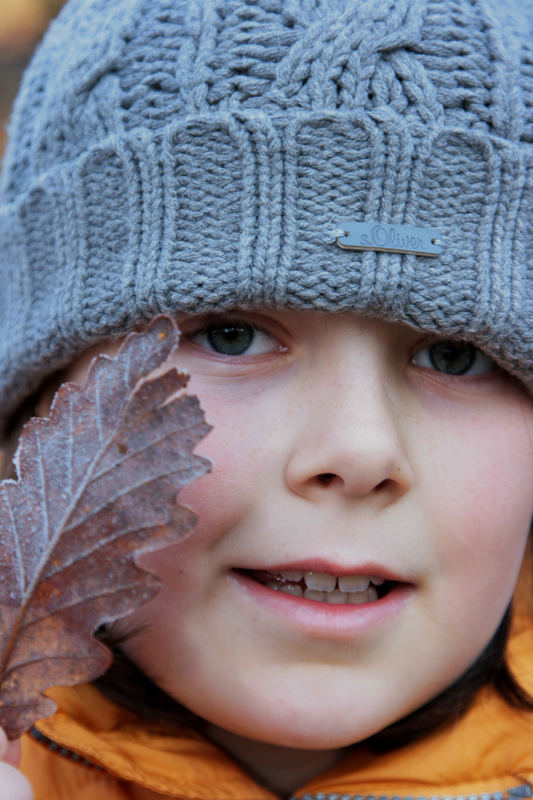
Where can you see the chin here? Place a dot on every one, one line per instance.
(308, 740)
(304, 731)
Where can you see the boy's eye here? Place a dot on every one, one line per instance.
(235, 339)
(454, 358)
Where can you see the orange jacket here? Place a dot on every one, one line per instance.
(489, 750)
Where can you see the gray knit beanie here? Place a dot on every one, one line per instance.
(187, 155)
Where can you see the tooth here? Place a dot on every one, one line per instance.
(274, 585)
(311, 594)
(320, 581)
(377, 581)
(354, 583)
(293, 589)
(336, 597)
(367, 596)
(292, 574)
(357, 597)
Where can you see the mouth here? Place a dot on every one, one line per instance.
(325, 587)
(321, 599)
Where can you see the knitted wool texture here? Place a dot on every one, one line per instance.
(189, 155)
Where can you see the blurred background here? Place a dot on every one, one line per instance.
(22, 24)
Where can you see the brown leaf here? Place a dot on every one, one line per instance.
(97, 483)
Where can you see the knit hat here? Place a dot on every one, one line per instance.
(192, 155)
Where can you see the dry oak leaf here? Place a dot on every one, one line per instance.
(97, 484)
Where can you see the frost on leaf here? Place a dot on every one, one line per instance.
(97, 484)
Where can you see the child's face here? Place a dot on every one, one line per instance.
(345, 446)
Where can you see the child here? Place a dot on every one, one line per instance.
(339, 622)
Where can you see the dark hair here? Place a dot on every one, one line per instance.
(125, 684)
(489, 669)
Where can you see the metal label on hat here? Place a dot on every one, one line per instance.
(388, 238)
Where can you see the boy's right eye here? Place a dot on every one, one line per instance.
(237, 338)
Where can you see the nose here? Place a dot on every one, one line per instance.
(349, 441)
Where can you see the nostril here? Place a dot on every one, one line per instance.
(325, 478)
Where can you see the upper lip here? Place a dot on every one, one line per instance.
(323, 565)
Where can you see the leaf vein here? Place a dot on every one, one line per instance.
(130, 489)
(81, 601)
(98, 412)
(100, 545)
(44, 495)
(133, 453)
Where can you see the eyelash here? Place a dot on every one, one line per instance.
(472, 361)
(470, 357)
(205, 337)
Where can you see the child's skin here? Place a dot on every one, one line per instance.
(14, 785)
(336, 444)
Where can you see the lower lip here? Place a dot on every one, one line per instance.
(323, 619)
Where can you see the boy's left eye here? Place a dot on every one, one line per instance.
(454, 358)
(235, 339)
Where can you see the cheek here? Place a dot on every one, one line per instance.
(479, 496)
(245, 450)
(220, 498)
(241, 459)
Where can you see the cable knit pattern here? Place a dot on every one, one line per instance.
(172, 155)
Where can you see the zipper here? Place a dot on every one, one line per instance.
(522, 791)
(64, 752)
